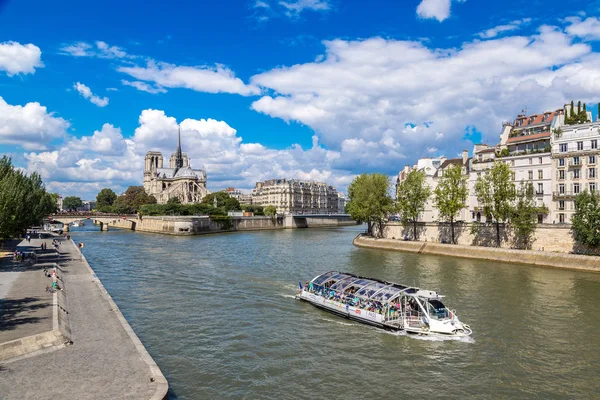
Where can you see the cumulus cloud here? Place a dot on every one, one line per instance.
(16, 58)
(266, 9)
(30, 126)
(98, 49)
(587, 29)
(86, 92)
(434, 9)
(514, 25)
(385, 100)
(209, 79)
(87, 164)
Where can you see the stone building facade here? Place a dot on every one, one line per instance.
(290, 196)
(178, 181)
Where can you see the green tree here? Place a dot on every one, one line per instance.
(174, 200)
(253, 208)
(451, 195)
(131, 201)
(23, 200)
(412, 195)
(495, 192)
(369, 200)
(270, 211)
(586, 219)
(71, 203)
(223, 200)
(106, 197)
(524, 215)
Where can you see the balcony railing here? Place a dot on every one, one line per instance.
(571, 193)
(539, 192)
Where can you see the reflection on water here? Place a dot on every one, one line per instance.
(217, 314)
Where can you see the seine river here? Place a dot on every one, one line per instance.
(217, 313)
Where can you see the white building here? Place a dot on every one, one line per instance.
(296, 197)
(575, 157)
(342, 200)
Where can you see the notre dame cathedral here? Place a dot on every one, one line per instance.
(178, 181)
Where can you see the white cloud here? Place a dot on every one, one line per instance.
(587, 29)
(86, 92)
(30, 126)
(144, 87)
(380, 101)
(294, 8)
(209, 79)
(511, 26)
(437, 9)
(99, 49)
(16, 58)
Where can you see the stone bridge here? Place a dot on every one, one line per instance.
(128, 221)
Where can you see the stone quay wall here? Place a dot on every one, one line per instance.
(530, 257)
(547, 237)
(195, 225)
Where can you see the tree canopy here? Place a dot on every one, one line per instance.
(495, 192)
(369, 199)
(71, 203)
(577, 116)
(270, 211)
(412, 195)
(223, 200)
(524, 214)
(131, 201)
(451, 195)
(106, 197)
(24, 201)
(586, 219)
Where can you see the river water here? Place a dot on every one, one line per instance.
(217, 313)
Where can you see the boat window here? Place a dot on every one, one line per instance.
(371, 289)
(437, 310)
(341, 285)
(322, 278)
(386, 294)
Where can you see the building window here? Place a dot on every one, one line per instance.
(512, 163)
(540, 174)
(540, 160)
(561, 162)
(530, 174)
(563, 147)
(579, 145)
(540, 188)
(576, 160)
(591, 172)
(576, 173)
(592, 160)
(561, 205)
(561, 218)
(530, 160)
(561, 174)
(561, 188)
(594, 144)
(513, 175)
(576, 188)
(592, 187)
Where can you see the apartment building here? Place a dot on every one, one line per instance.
(296, 196)
(575, 157)
(243, 198)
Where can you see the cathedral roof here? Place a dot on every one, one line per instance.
(186, 172)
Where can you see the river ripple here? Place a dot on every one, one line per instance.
(217, 314)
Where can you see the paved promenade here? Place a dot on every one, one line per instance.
(105, 361)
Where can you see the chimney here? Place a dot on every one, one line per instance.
(465, 156)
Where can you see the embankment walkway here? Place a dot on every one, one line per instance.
(530, 257)
(106, 359)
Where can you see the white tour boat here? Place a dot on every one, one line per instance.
(77, 224)
(383, 304)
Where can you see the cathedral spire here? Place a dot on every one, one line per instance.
(178, 155)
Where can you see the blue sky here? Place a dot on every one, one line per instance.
(309, 89)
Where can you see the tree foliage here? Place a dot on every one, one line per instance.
(253, 208)
(270, 211)
(106, 197)
(586, 219)
(451, 195)
(369, 199)
(24, 201)
(181, 209)
(412, 195)
(495, 192)
(524, 215)
(72, 203)
(222, 200)
(130, 201)
(578, 116)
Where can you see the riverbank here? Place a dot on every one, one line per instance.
(529, 257)
(103, 357)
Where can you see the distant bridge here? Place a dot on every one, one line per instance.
(127, 221)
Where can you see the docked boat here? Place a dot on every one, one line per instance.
(383, 304)
(77, 224)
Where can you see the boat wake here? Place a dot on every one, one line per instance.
(287, 296)
(429, 338)
(337, 322)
